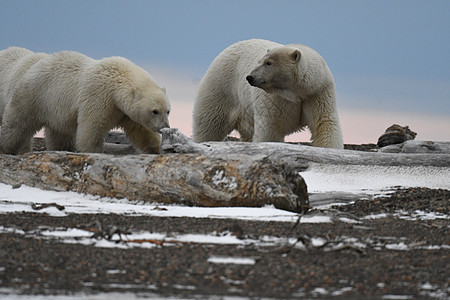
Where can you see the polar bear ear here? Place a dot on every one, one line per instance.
(164, 90)
(296, 55)
(136, 94)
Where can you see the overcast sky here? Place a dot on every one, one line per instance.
(387, 57)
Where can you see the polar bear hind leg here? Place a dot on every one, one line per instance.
(16, 133)
(91, 133)
(56, 141)
(212, 116)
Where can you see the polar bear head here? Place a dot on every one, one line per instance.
(150, 107)
(136, 94)
(292, 72)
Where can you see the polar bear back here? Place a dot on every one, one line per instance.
(53, 84)
(14, 62)
(236, 62)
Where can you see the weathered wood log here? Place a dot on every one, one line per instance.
(207, 174)
(189, 179)
(418, 147)
(299, 157)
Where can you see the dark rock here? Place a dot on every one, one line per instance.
(116, 137)
(38, 144)
(395, 134)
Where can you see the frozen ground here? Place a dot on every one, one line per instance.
(373, 179)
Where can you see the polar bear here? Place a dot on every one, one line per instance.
(266, 91)
(78, 100)
(14, 62)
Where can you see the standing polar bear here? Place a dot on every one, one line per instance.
(14, 62)
(78, 100)
(266, 91)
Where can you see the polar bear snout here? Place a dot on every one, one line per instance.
(250, 79)
(160, 122)
(253, 81)
(163, 126)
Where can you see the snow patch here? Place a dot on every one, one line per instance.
(231, 260)
(421, 215)
(399, 246)
(319, 291)
(397, 297)
(22, 199)
(374, 180)
(375, 216)
(144, 239)
(113, 272)
(221, 180)
(342, 291)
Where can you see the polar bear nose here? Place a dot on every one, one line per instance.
(164, 125)
(250, 79)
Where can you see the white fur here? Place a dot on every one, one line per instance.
(78, 100)
(294, 92)
(14, 62)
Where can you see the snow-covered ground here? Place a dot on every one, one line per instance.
(374, 180)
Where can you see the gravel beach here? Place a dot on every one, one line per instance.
(393, 247)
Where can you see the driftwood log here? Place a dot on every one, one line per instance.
(299, 157)
(413, 147)
(189, 179)
(207, 174)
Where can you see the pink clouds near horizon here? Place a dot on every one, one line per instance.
(358, 126)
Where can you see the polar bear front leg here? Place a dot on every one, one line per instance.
(265, 131)
(323, 122)
(90, 136)
(265, 127)
(264, 134)
(325, 133)
(142, 138)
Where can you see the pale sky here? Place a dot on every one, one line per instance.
(390, 59)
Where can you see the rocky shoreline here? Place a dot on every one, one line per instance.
(393, 247)
(393, 254)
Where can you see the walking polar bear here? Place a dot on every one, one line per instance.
(78, 100)
(14, 62)
(266, 91)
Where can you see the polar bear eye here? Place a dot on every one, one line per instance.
(268, 63)
(155, 112)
